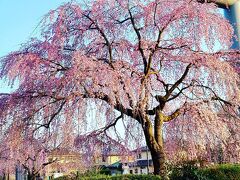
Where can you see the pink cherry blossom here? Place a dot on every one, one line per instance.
(153, 64)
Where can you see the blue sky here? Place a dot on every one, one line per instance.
(18, 19)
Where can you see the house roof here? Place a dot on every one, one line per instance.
(141, 149)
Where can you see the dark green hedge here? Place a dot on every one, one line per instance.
(219, 172)
(129, 177)
(117, 177)
(185, 171)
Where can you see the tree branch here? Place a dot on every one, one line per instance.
(139, 40)
(179, 81)
(180, 92)
(108, 44)
(174, 115)
(47, 125)
(215, 97)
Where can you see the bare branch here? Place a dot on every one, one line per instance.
(139, 40)
(123, 21)
(180, 92)
(113, 124)
(47, 125)
(215, 97)
(178, 82)
(108, 44)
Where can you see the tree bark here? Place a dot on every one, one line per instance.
(159, 163)
(154, 140)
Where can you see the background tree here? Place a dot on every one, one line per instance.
(29, 153)
(155, 62)
(23, 153)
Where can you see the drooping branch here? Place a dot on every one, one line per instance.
(97, 95)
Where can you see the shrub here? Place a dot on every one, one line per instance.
(117, 177)
(63, 178)
(220, 172)
(135, 177)
(93, 171)
(105, 171)
(184, 170)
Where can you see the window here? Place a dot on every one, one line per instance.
(136, 171)
(139, 156)
(131, 171)
(103, 158)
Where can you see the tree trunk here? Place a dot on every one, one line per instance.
(158, 158)
(159, 165)
(154, 140)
